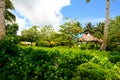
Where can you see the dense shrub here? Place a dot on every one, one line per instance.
(38, 63)
(114, 56)
(89, 45)
(8, 44)
(8, 50)
(91, 71)
(52, 43)
(46, 43)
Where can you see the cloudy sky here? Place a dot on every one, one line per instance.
(53, 12)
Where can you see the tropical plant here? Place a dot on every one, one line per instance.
(12, 29)
(40, 63)
(89, 28)
(105, 37)
(98, 30)
(103, 46)
(5, 15)
(30, 35)
(114, 34)
(9, 17)
(46, 32)
(71, 29)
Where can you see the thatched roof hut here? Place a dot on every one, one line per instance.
(87, 37)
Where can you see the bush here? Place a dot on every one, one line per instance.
(8, 50)
(91, 71)
(114, 56)
(46, 43)
(33, 63)
(89, 45)
(9, 44)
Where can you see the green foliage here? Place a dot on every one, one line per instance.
(66, 37)
(8, 44)
(114, 37)
(8, 49)
(38, 63)
(30, 35)
(46, 32)
(9, 17)
(11, 29)
(89, 28)
(91, 71)
(46, 43)
(114, 56)
(89, 45)
(71, 27)
(70, 31)
(98, 30)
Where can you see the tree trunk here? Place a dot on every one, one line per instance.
(104, 43)
(2, 19)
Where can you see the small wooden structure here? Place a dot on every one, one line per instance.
(87, 37)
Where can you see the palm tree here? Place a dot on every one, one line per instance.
(9, 17)
(105, 37)
(98, 30)
(5, 15)
(89, 28)
(2, 19)
(103, 46)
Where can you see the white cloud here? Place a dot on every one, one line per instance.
(41, 12)
(21, 23)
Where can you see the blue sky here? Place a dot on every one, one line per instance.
(54, 12)
(95, 10)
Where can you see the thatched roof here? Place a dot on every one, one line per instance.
(87, 37)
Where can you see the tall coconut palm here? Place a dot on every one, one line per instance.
(5, 15)
(103, 46)
(2, 19)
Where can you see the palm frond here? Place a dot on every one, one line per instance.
(87, 1)
(9, 16)
(9, 5)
